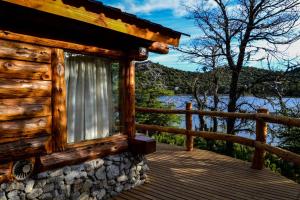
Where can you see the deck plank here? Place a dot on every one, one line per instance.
(178, 174)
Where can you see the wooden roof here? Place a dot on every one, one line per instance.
(96, 13)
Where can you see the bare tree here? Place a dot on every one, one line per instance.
(243, 31)
(210, 62)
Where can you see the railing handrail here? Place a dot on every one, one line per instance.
(284, 154)
(288, 121)
(261, 117)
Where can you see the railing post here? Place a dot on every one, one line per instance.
(188, 125)
(261, 136)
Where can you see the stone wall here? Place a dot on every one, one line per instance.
(96, 179)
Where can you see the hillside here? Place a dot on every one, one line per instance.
(148, 73)
(162, 76)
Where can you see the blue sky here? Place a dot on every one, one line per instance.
(169, 13)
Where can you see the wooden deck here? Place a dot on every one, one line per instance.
(177, 174)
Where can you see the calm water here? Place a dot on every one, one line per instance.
(249, 104)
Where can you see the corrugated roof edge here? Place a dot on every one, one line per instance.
(136, 17)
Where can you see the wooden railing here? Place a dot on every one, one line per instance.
(261, 117)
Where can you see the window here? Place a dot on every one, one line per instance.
(92, 96)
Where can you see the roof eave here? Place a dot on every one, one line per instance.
(81, 12)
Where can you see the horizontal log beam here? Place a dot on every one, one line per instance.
(11, 109)
(114, 138)
(250, 116)
(159, 47)
(282, 153)
(25, 101)
(203, 134)
(79, 155)
(60, 44)
(23, 149)
(21, 88)
(289, 121)
(11, 131)
(24, 70)
(23, 51)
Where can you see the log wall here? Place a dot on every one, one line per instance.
(33, 108)
(25, 100)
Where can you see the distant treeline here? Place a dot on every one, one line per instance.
(181, 82)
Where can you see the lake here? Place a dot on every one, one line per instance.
(248, 104)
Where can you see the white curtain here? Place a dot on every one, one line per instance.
(89, 95)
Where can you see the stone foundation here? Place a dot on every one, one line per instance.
(96, 179)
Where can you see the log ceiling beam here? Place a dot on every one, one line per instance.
(8, 35)
(158, 47)
(80, 13)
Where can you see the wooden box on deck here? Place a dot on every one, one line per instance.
(141, 144)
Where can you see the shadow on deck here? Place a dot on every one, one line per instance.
(177, 174)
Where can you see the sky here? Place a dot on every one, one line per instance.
(169, 13)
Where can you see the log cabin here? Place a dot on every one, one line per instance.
(67, 93)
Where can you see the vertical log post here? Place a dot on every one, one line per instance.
(129, 97)
(189, 124)
(261, 136)
(59, 120)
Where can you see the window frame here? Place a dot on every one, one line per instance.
(59, 107)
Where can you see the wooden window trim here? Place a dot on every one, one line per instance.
(59, 130)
